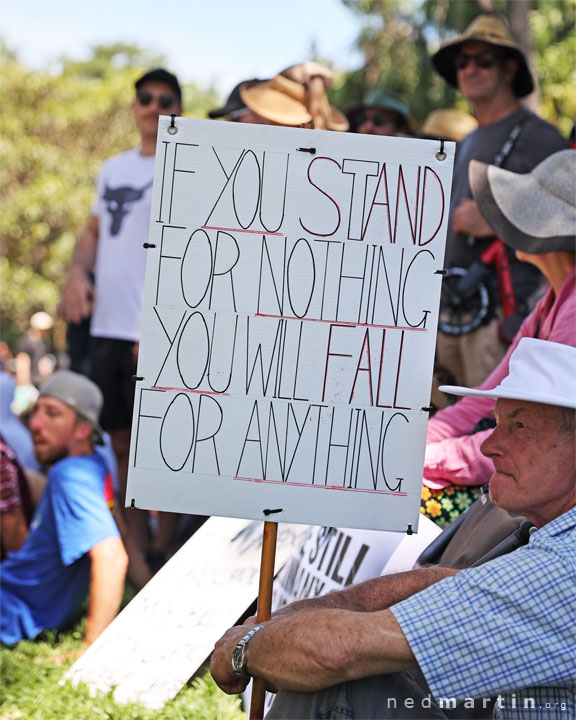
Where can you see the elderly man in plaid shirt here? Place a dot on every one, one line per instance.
(417, 644)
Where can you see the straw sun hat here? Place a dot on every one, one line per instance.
(534, 213)
(294, 97)
(449, 123)
(487, 29)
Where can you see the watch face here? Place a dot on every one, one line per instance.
(238, 660)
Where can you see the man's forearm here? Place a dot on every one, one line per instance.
(108, 571)
(372, 595)
(310, 651)
(13, 528)
(316, 650)
(84, 257)
(78, 292)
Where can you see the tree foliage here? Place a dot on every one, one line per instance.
(55, 131)
(57, 128)
(399, 36)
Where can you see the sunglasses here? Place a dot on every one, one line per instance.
(376, 120)
(164, 101)
(484, 60)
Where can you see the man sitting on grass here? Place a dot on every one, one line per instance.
(73, 545)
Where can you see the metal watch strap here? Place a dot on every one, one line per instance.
(239, 653)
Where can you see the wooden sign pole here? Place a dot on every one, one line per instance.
(264, 608)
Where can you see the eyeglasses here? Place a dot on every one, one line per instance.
(377, 120)
(484, 60)
(164, 101)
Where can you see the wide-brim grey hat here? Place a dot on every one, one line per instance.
(534, 213)
(540, 371)
(492, 30)
(79, 393)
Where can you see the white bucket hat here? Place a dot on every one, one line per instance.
(535, 212)
(540, 371)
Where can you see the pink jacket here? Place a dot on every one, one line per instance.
(453, 456)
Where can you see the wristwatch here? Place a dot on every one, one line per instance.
(239, 653)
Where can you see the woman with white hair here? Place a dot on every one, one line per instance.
(535, 214)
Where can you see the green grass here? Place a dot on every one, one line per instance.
(30, 691)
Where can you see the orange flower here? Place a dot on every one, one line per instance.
(433, 508)
(426, 494)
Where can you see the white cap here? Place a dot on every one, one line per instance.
(540, 371)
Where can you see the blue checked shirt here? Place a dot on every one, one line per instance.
(504, 629)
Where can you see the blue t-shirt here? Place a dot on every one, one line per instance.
(44, 583)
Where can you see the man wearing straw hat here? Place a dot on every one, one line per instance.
(490, 70)
(503, 628)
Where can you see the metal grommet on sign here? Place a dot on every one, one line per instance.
(172, 130)
(441, 155)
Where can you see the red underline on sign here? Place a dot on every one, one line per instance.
(322, 487)
(200, 392)
(241, 230)
(342, 322)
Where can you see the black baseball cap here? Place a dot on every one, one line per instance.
(233, 103)
(163, 76)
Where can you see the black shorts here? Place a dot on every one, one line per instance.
(112, 367)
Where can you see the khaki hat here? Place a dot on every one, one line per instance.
(450, 124)
(534, 212)
(540, 371)
(41, 321)
(79, 393)
(494, 31)
(286, 101)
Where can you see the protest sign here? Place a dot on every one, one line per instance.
(164, 635)
(289, 324)
(330, 559)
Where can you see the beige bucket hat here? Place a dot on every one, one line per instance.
(449, 123)
(494, 31)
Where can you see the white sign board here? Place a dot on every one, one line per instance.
(289, 324)
(155, 645)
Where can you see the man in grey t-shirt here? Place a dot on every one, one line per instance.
(490, 70)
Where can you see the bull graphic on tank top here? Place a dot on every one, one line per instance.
(119, 203)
